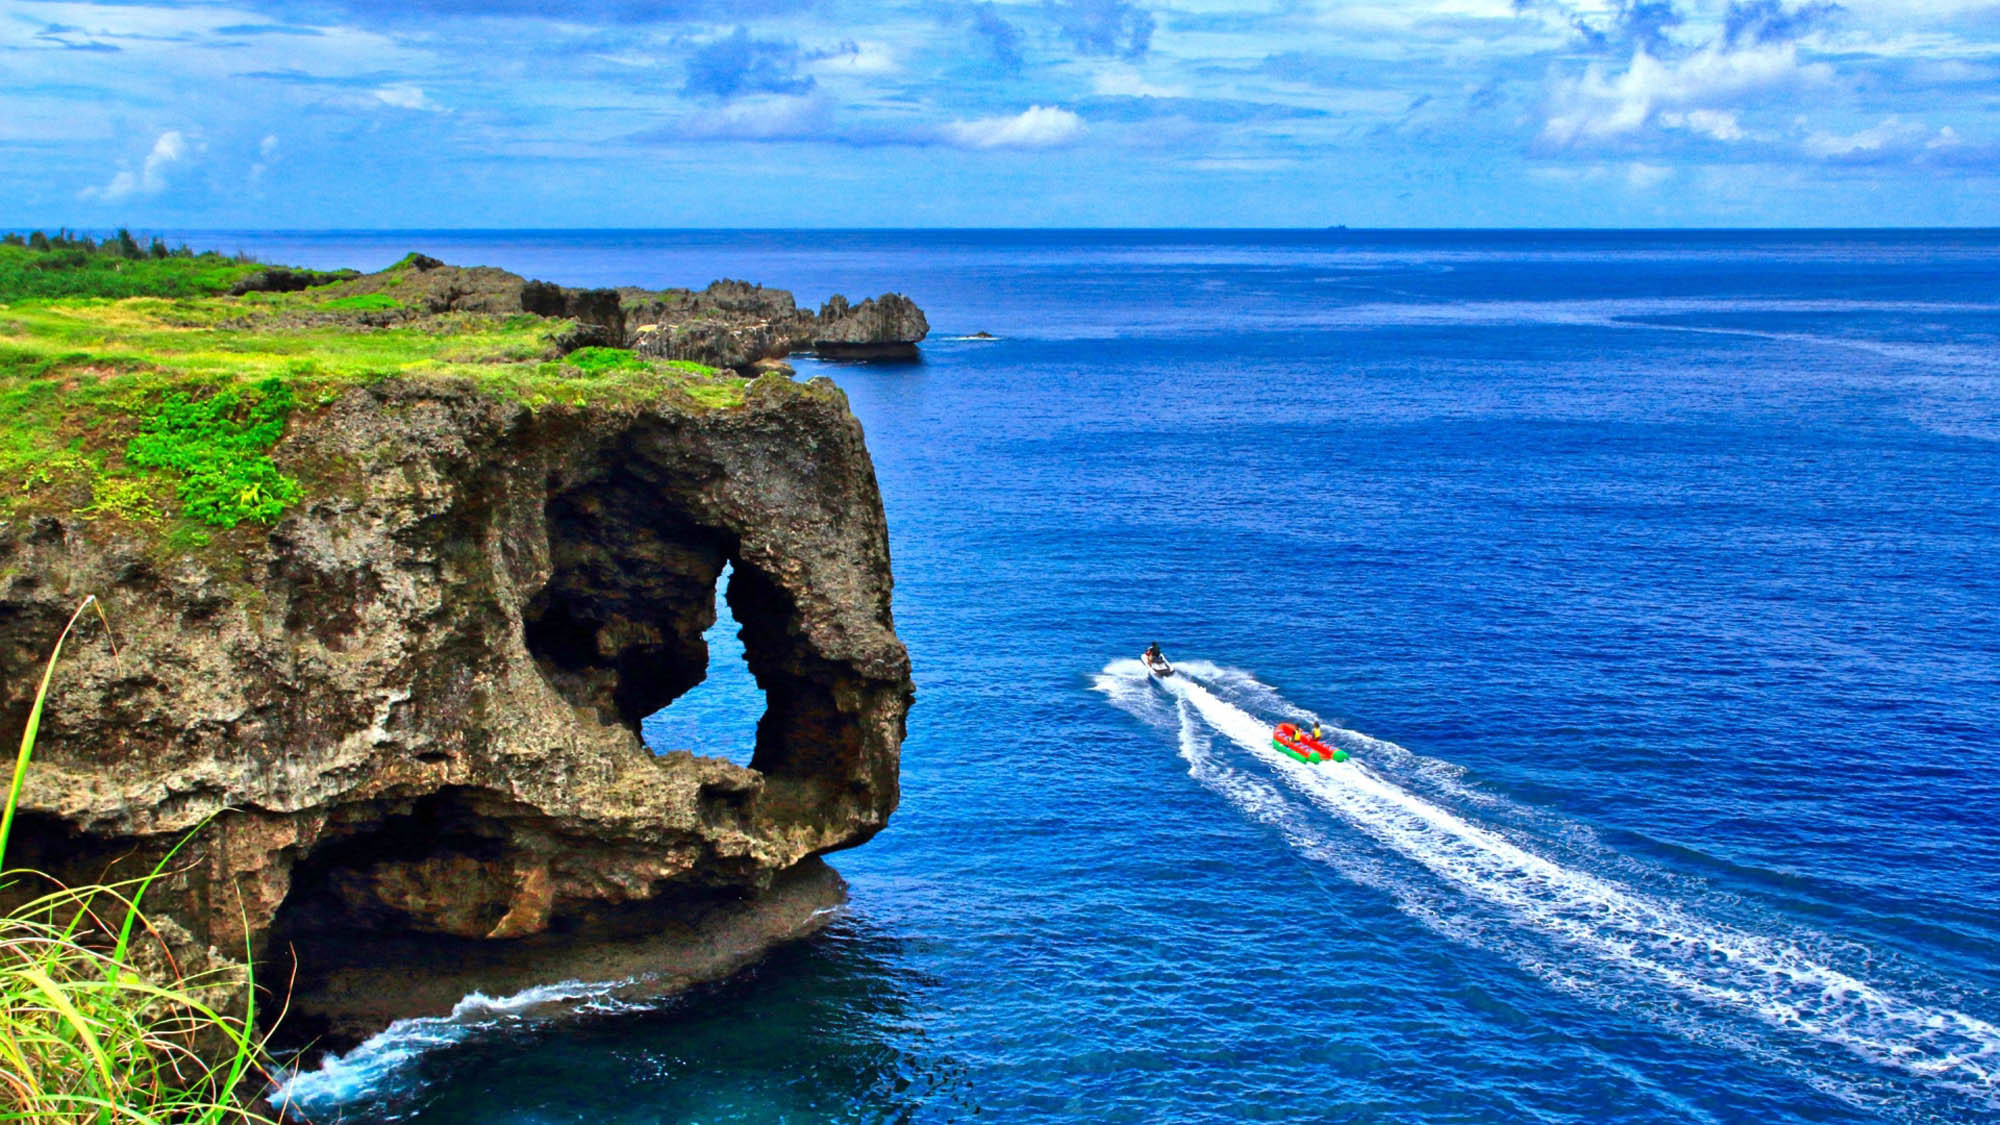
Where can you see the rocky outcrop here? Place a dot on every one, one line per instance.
(425, 286)
(405, 717)
(732, 324)
(885, 327)
(735, 324)
(729, 324)
(283, 279)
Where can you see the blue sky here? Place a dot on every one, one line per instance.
(518, 113)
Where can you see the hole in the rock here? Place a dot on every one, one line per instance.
(718, 717)
(619, 625)
(628, 616)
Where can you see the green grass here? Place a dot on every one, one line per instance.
(161, 412)
(95, 1027)
(597, 361)
(363, 302)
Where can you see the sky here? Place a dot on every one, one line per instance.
(303, 114)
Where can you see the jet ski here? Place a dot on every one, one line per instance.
(1156, 662)
(1303, 747)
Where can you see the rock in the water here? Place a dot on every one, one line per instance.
(885, 327)
(411, 708)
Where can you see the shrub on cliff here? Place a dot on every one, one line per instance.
(97, 1023)
(77, 267)
(221, 446)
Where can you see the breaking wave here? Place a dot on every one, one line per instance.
(383, 1061)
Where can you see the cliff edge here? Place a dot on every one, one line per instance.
(397, 723)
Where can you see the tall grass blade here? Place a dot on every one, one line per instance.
(35, 724)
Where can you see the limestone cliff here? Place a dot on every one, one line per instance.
(402, 721)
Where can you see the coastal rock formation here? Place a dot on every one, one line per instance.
(729, 324)
(732, 324)
(424, 286)
(735, 324)
(400, 726)
(885, 327)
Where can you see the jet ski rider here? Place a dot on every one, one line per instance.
(1153, 655)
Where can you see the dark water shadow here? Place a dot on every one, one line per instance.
(827, 1029)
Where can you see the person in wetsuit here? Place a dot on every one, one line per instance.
(1153, 655)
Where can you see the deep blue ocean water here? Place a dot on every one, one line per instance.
(1652, 579)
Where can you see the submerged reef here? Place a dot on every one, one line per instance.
(395, 566)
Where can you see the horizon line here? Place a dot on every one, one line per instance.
(1336, 229)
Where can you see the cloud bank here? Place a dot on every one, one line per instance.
(1481, 112)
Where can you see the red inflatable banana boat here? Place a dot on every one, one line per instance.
(1304, 747)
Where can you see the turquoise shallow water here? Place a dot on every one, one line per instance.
(1648, 577)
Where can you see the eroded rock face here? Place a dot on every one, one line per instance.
(411, 708)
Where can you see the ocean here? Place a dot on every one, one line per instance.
(1649, 578)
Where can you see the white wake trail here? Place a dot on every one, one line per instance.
(1631, 935)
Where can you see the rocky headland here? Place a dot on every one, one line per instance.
(385, 698)
(732, 324)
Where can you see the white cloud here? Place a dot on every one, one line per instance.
(1891, 138)
(768, 117)
(1596, 106)
(1721, 124)
(1248, 164)
(1124, 80)
(170, 149)
(1636, 175)
(1035, 127)
(267, 151)
(405, 95)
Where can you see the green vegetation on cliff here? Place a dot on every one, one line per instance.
(137, 388)
(221, 446)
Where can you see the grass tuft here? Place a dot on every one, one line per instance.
(97, 1023)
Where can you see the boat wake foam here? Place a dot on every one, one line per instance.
(1463, 863)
